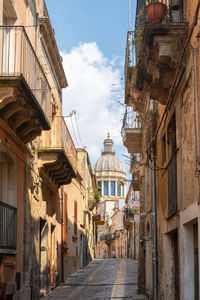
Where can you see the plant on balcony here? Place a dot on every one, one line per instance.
(138, 34)
(97, 194)
(93, 197)
(156, 11)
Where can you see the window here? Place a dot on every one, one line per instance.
(105, 188)
(100, 185)
(112, 188)
(119, 190)
(172, 166)
(7, 182)
(8, 202)
(171, 136)
(75, 217)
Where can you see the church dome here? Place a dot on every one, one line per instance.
(108, 162)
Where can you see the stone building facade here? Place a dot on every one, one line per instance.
(37, 153)
(79, 212)
(163, 92)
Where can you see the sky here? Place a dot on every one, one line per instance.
(91, 37)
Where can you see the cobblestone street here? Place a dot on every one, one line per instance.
(101, 279)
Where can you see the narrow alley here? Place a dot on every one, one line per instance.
(101, 279)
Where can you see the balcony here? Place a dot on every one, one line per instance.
(92, 203)
(8, 221)
(57, 153)
(128, 218)
(133, 97)
(110, 237)
(102, 237)
(160, 48)
(131, 131)
(25, 94)
(96, 217)
(135, 184)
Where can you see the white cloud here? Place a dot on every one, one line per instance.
(91, 77)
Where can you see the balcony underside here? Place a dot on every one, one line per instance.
(163, 45)
(96, 217)
(129, 222)
(56, 166)
(135, 185)
(132, 140)
(92, 204)
(19, 109)
(137, 99)
(133, 97)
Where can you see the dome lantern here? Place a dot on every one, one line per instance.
(108, 146)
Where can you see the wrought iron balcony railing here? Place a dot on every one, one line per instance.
(170, 11)
(129, 213)
(59, 138)
(131, 120)
(130, 53)
(8, 225)
(18, 59)
(68, 145)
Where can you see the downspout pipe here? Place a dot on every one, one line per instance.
(194, 51)
(154, 217)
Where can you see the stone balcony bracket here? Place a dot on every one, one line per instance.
(137, 99)
(56, 165)
(19, 110)
(163, 44)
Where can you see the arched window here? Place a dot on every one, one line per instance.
(105, 188)
(112, 188)
(119, 190)
(8, 201)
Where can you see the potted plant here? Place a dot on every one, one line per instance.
(156, 11)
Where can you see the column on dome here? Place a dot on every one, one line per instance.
(122, 192)
(119, 191)
(109, 191)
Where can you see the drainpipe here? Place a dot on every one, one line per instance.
(194, 51)
(154, 212)
(154, 207)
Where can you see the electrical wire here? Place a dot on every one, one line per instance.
(78, 129)
(73, 129)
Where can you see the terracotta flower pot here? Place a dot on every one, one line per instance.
(160, 12)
